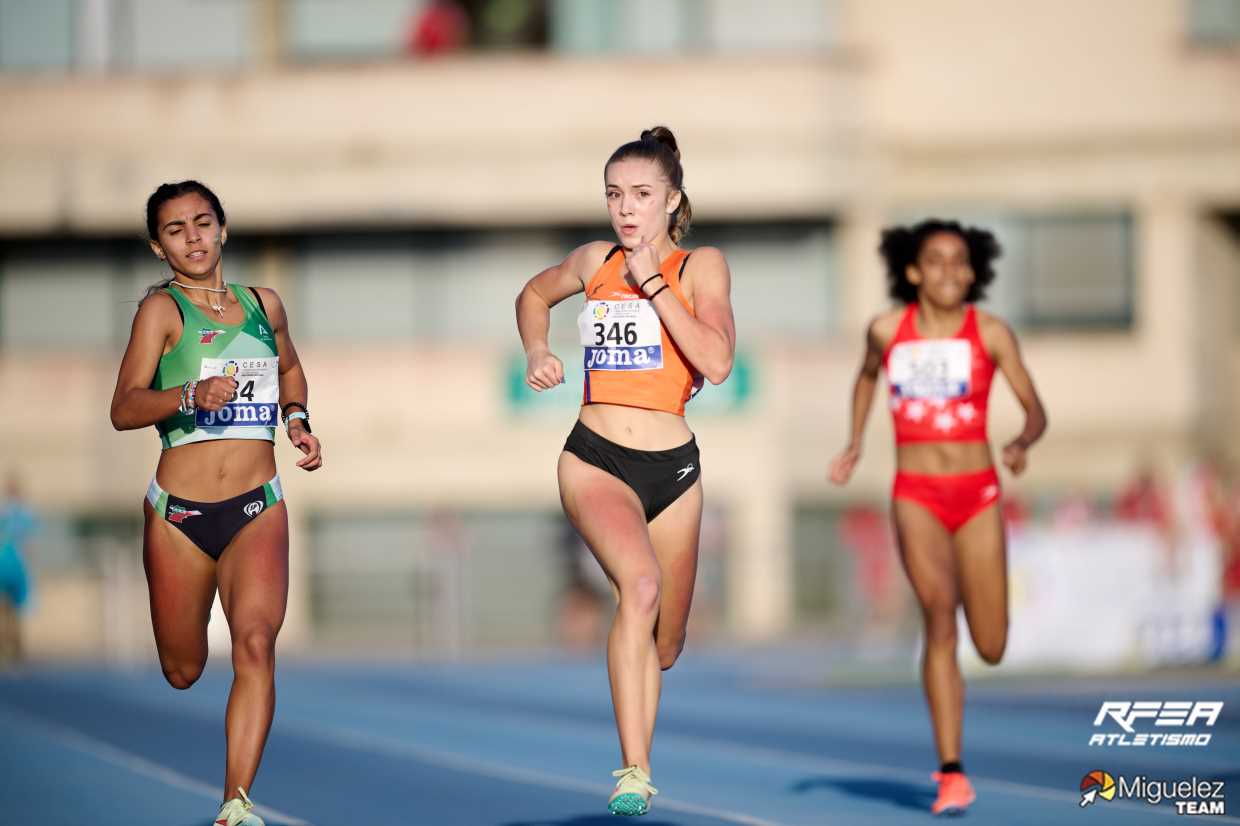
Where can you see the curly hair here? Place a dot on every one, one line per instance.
(901, 246)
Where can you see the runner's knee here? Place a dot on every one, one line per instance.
(641, 595)
(941, 629)
(181, 674)
(254, 648)
(669, 651)
(990, 644)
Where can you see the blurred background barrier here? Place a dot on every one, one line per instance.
(398, 169)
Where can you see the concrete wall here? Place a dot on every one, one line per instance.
(1050, 106)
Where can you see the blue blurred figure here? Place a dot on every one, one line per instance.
(17, 524)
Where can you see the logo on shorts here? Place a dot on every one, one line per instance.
(177, 514)
(683, 472)
(990, 492)
(1096, 784)
(254, 508)
(1162, 715)
(207, 335)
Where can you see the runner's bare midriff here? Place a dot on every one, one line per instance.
(216, 470)
(943, 458)
(636, 427)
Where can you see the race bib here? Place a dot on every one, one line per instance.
(931, 369)
(621, 335)
(258, 392)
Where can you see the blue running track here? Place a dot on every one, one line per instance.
(745, 737)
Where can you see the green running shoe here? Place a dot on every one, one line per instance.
(632, 794)
(236, 812)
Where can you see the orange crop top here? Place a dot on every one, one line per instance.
(940, 387)
(629, 357)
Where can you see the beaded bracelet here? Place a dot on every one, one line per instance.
(187, 404)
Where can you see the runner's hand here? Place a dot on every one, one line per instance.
(1014, 458)
(643, 264)
(215, 392)
(842, 466)
(308, 444)
(543, 370)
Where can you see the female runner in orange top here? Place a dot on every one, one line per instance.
(656, 320)
(940, 354)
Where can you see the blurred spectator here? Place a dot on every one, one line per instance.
(1227, 620)
(1145, 500)
(1072, 512)
(1016, 512)
(17, 524)
(440, 26)
(506, 24)
(580, 621)
(866, 533)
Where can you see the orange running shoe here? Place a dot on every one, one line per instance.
(955, 793)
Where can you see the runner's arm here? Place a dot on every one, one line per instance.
(533, 307)
(293, 385)
(842, 466)
(707, 336)
(1007, 359)
(134, 404)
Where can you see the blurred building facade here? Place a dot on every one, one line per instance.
(398, 204)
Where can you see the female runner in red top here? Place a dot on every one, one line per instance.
(940, 354)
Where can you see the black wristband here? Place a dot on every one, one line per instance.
(648, 280)
(284, 410)
(656, 292)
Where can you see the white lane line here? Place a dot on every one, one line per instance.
(740, 752)
(379, 744)
(74, 739)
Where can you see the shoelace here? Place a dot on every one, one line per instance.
(246, 805)
(635, 773)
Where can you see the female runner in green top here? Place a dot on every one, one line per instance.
(211, 365)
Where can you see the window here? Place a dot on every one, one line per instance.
(348, 28)
(671, 26)
(36, 34)
(1231, 220)
(1079, 271)
(466, 283)
(356, 288)
(783, 277)
(1057, 270)
(54, 297)
(1214, 21)
(789, 25)
(439, 579)
(819, 583)
(591, 26)
(90, 288)
(190, 34)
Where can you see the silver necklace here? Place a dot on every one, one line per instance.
(219, 308)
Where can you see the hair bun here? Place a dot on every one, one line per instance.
(663, 135)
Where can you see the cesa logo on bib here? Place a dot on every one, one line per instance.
(600, 310)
